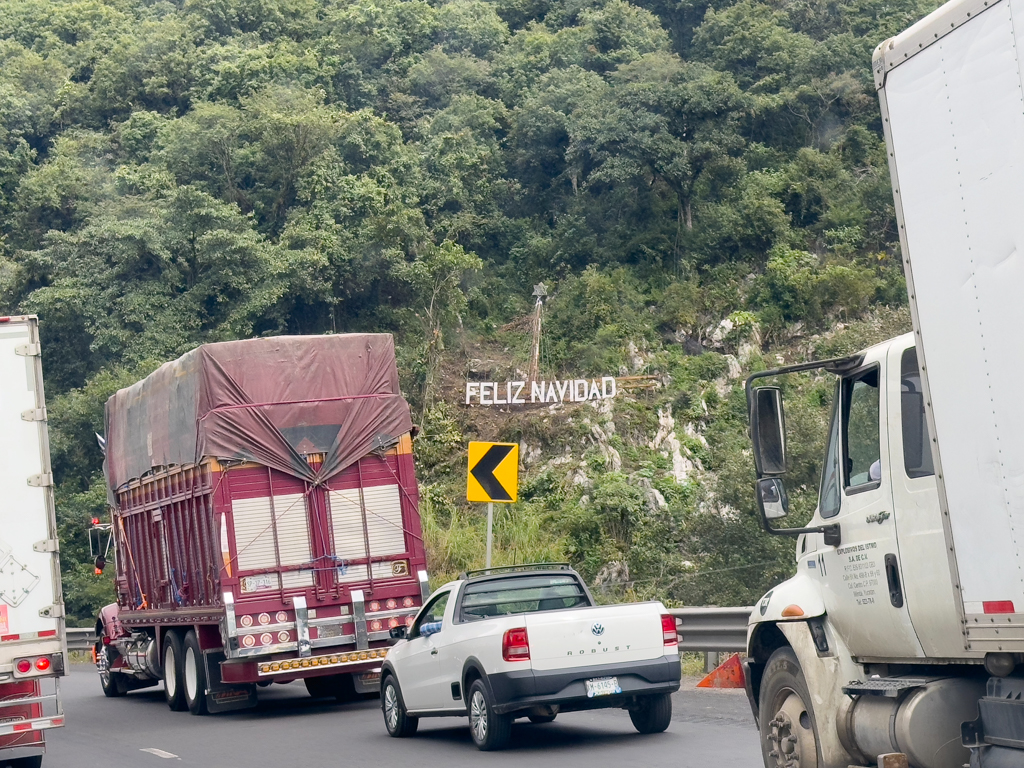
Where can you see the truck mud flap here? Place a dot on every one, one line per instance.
(996, 738)
(221, 696)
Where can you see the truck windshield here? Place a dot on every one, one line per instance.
(528, 594)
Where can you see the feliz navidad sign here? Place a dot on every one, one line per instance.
(525, 393)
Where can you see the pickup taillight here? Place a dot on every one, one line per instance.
(515, 645)
(668, 629)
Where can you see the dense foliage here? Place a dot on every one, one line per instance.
(179, 172)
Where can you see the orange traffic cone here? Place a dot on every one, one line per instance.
(726, 675)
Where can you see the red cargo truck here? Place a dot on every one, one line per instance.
(263, 503)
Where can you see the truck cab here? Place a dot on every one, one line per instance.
(869, 632)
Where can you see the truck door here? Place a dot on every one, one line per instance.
(862, 576)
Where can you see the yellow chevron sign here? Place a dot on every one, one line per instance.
(493, 472)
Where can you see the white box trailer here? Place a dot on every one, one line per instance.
(953, 114)
(33, 646)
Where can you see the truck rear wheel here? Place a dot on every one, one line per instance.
(652, 714)
(490, 731)
(194, 674)
(789, 733)
(174, 687)
(338, 687)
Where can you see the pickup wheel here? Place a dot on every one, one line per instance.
(490, 731)
(174, 686)
(652, 714)
(789, 733)
(194, 674)
(399, 723)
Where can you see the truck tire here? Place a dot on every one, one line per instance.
(490, 731)
(112, 683)
(399, 723)
(318, 687)
(789, 733)
(652, 714)
(339, 687)
(174, 685)
(194, 674)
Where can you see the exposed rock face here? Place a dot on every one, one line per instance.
(654, 499)
(615, 572)
(669, 445)
(601, 433)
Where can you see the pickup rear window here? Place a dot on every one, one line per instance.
(521, 594)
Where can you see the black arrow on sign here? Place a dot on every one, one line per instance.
(483, 471)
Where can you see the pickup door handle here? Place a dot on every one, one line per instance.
(892, 575)
(433, 651)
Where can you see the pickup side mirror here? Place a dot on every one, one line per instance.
(398, 633)
(771, 498)
(768, 431)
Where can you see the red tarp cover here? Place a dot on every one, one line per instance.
(266, 400)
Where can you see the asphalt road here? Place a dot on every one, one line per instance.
(288, 728)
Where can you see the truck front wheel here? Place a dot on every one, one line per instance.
(112, 683)
(174, 689)
(789, 735)
(194, 672)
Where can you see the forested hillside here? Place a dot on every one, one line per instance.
(701, 185)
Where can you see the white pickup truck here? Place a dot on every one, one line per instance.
(528, 641)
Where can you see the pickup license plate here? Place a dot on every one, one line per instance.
(603, 686)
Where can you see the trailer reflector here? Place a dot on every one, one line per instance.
(998, 606)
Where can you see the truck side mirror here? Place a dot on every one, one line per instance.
(771, 498)
(768, 431)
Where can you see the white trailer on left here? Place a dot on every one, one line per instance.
(33, 646)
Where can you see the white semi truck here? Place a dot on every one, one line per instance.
(903, 628)
(33, 646)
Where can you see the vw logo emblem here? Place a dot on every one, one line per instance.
(597, 629)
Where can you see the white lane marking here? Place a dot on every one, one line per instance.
(158, 752)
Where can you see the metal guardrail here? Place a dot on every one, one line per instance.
(712, 629)
(700, 629)
(81, 638)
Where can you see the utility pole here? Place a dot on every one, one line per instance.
(540, 292)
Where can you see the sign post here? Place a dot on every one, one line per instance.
(493, 477)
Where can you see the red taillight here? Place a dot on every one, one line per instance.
(668, 629)
(43, 663)
(998, 606)
(24, 666)
(515, 645)
(106, 640)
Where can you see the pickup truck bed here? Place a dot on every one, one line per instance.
(530, 643)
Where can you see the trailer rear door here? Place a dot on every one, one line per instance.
(950, 89)
(30, 604)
